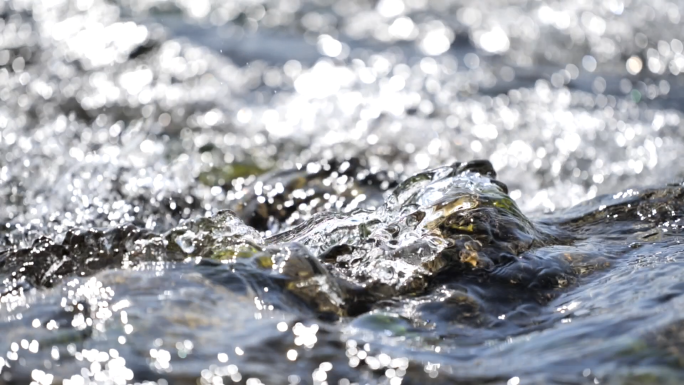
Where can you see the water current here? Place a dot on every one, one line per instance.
(341, 192)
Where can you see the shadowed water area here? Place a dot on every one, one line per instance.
(341, 192)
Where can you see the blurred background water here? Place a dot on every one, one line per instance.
(126, 127)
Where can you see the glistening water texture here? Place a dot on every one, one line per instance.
(289, 192)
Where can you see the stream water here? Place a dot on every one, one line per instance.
(341, 192)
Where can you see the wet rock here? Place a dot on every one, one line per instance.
(283, 199)
(451, 218)
(82, 252)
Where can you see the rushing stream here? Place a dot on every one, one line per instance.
(341, 192)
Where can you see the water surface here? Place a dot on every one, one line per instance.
(372, 192)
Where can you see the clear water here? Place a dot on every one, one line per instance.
(289, 191)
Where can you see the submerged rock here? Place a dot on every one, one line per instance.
(283, 199)
(455, 219)
(445, 257)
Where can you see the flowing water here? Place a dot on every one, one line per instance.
(341, 192)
